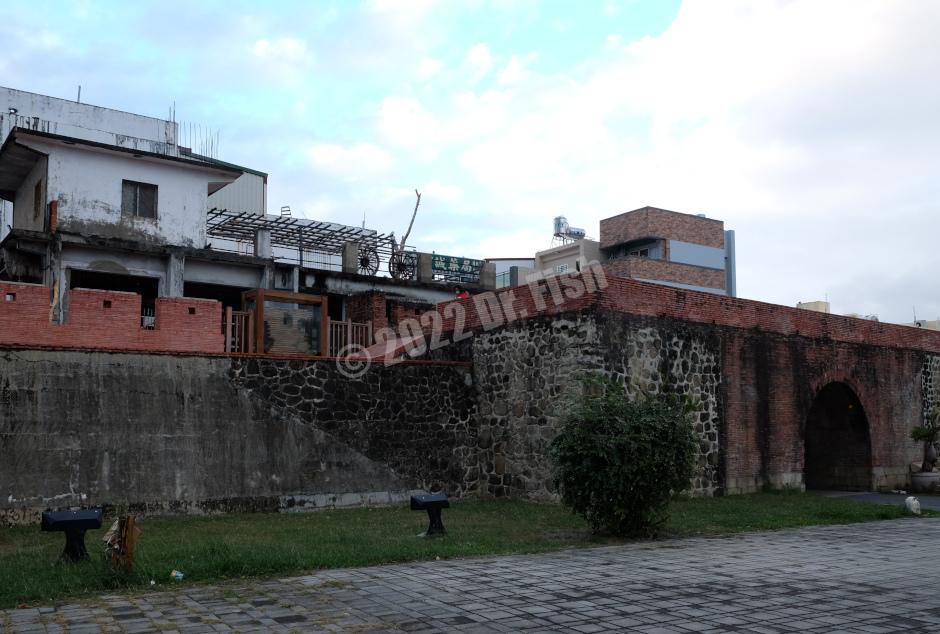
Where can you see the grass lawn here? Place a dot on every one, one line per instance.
(223, 547)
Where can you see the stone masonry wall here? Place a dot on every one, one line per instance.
(528, 376)
(654, 357)
(416, 419)
(931, 384)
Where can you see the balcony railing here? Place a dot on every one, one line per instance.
(346, 333)
(238, 326)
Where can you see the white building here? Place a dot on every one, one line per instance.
(567, 258)
(63, 118)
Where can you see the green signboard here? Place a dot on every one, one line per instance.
(450, 265)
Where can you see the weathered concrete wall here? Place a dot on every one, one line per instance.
(190, 434)
(87, 185)
(85, 121)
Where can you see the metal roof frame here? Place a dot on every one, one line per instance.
(300, 234)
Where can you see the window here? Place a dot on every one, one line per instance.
(643, 253)
(561, 268)
(139, 199)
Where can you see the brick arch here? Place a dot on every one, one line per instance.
(837, 440)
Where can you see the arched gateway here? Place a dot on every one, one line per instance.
(837, 441)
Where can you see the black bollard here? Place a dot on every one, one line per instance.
(433, 503)
(73, 524)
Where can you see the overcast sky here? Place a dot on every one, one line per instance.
(811, 127)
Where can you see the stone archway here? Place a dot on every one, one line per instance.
(837, 442)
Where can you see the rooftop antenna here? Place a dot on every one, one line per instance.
(363, 219)
(914, 308)
(79, 100)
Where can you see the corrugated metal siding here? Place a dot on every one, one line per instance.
(246, 194)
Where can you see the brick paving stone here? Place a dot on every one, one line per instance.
(865, 578)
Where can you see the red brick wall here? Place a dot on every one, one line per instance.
(368, 307)
(25, 321)
(660, 223)
(769, 383)
(401, 311)
(653, 300)
(558, 295)
(647, 268)
(375, 307)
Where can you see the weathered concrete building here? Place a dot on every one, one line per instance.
(110, 201)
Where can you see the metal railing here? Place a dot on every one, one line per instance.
(148, 319)
(345, 333)
(238, 327)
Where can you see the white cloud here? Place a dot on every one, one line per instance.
(479, 60)
(437, 191)
(282, 50)
(801, 124)
(353, 162)
(405, 123)
(428, 67)
(515, 71)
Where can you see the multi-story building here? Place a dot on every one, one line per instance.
(672, 248)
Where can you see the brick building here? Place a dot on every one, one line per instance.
(672, 248)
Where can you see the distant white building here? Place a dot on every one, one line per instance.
(818, 306)
(567, 258)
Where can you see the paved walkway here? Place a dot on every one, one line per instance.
(875, 577)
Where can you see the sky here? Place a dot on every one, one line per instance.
(811, 127)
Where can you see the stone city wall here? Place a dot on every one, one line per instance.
(529, 374)
(166, 433)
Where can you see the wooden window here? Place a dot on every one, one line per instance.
(139, 199)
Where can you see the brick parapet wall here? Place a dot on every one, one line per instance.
(108, 320)
(566, 293)
(653, 300)
(637, 267)
(650, 222)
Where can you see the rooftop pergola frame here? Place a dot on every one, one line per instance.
(299, 235)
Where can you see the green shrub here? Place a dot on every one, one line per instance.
(618, 462)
